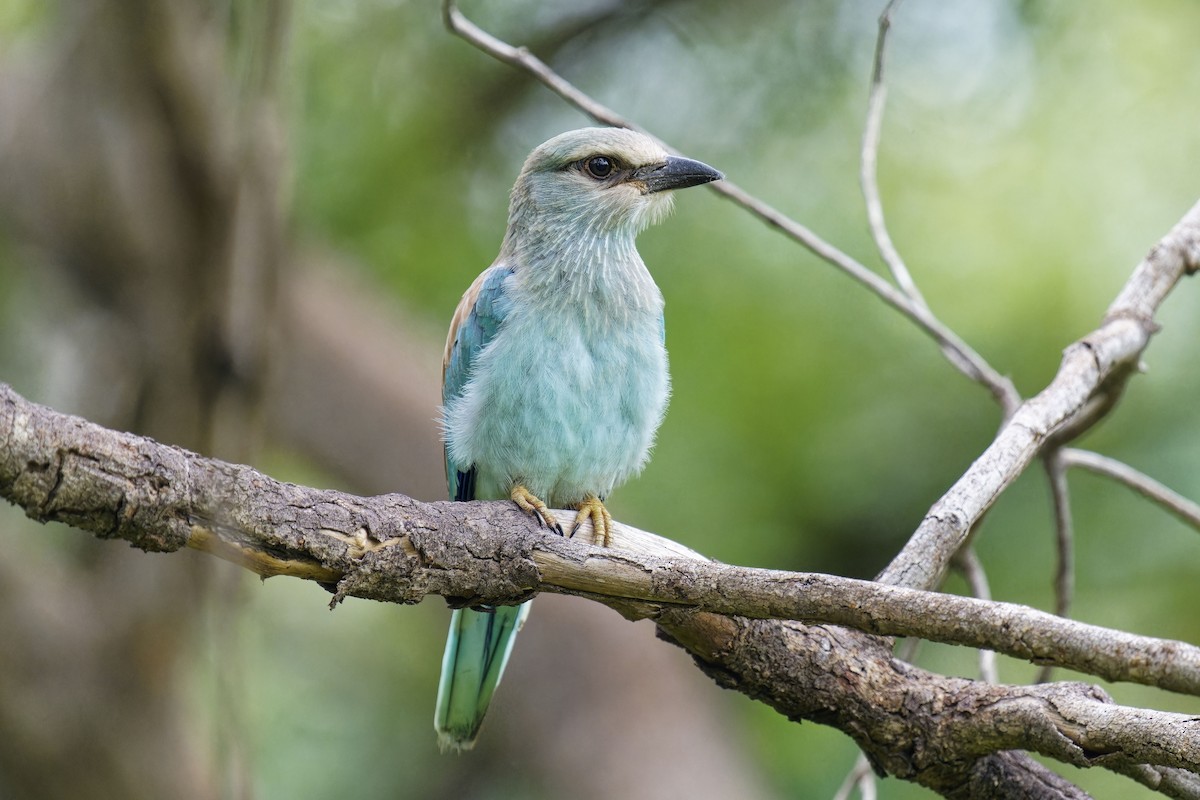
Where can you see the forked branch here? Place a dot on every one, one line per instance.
(157, 497)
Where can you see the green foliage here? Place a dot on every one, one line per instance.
(23, 17)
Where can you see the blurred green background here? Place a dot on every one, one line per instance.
(1032, 153)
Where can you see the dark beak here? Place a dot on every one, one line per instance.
(677, 173)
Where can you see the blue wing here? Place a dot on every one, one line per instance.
(480, 640)
(479, 315)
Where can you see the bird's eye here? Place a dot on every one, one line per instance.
(600, 167)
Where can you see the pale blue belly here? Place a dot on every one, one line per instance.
(566, 409)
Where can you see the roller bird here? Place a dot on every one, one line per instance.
(554, 377)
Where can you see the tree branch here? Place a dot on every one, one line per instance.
(967, 562)
(860, 777)
(1064, 573)
(1092, 374)
(869, 162)
(390, 547)
(1186, 510)
(964, 359)
(395, 549)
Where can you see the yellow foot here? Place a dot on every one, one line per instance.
(602, 521)
(528, 502)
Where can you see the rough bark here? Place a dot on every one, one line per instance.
(939, 731)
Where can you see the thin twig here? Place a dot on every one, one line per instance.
(1170, 781)
(1183, 508)
(869, 162)
(1001, 388)
(961, 355)
(1064, 539)
(969, 364)
(1064, 577)
(521, 58)
(860, 777)
(967, 562)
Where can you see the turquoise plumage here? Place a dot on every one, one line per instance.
(555, 370)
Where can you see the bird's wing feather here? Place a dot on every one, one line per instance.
(480, 641)
(479, 315)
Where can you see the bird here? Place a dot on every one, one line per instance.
(554, 375)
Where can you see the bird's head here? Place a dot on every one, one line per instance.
(600, 181)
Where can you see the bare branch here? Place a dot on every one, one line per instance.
(868, 165)
(1069, 722)
(392, 548)
(861, 774)
(1187, 510)
(1172, 782)
(1064, 574)
(963, 358)
(1093, 371)
(860, 777)
(521, 58)
(967, 562)
(1122, 734)
(395, 549)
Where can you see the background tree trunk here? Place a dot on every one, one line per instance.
(147, 188)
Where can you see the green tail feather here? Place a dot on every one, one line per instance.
(477, 651)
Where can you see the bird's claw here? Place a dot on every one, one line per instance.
(532, 505)
(602, 522)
